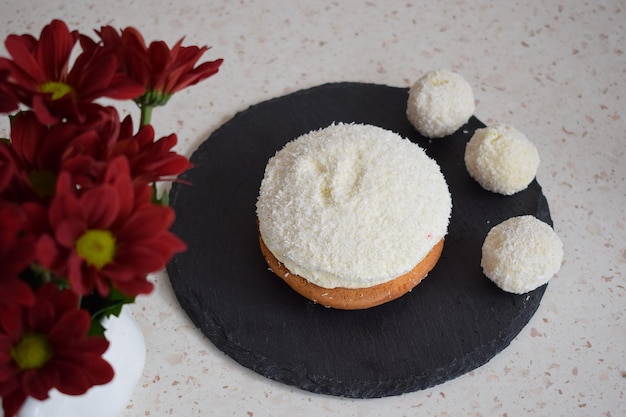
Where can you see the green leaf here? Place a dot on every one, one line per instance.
(101, 308)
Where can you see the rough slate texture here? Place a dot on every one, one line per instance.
(453, 322)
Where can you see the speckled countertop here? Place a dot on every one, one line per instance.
(555, 70)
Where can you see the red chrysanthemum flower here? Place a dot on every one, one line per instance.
(40, 76)
(88, 156)
(161, 70)
(150, 160)
(108, 235)
(46, 346)
(39, 152)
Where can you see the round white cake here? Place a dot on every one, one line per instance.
(352, 206)
(501, 159)
(439, 103)
(521, 254)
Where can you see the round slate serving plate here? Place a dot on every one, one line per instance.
(453, 322)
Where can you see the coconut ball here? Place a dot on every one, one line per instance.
(439, 103)
(521, 254)
(501, 159)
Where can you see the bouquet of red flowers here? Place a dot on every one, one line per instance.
(81, 225)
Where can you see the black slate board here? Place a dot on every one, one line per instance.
(453, 322)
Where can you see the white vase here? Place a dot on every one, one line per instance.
(127, 356)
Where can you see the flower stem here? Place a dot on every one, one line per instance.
(146, 114)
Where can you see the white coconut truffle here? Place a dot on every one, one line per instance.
(521, 254)
(352, 206)
(501, 159)
(439, 103)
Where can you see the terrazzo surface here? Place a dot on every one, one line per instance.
(554, 70)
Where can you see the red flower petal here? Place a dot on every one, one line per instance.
(15, 291)
(62, 300)
(142, 259)
(37, 384)
(94, 345)
(27, 135)
(168, 244)
(121, 87)
(42, 110)
(146, 222)
(11, 325)
(65, 204)
(47, 252)
(71, 326)
(68, 231)
(21, 49)
(102, 205)
(75, 275)
(117, 174)
(100, 371)
(54, 49)
(8, 98)
(12, 402)
(73, 381)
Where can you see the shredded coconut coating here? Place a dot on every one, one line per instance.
(521, 254)
(352, 206)
(439, 103)
(501, 159)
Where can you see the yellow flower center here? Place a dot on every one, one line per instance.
(56, 88)
(43, 182)
(32, 351)
(96, 247)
